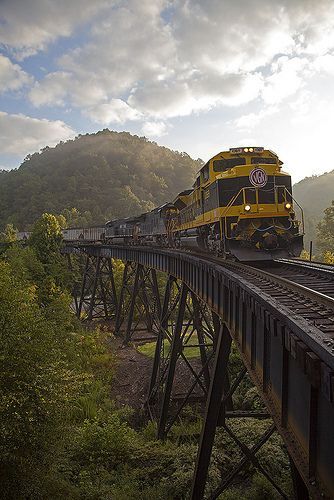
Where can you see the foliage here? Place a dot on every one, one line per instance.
(43, 266)
(314, 194)
(325, 230)
(103, 175)
(9, 234)
(329, 257)
(305, 255)
(34, 377)
(46, 238)
(74, 218)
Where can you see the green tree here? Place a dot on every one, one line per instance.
(34, 384)
(45, 241)
(9, 234)
(46, 238)
(102, 174)
(325, 230)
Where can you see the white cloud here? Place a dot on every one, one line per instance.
(114, 111)
(52, 91)
(288, 76)
(30, 25)
(154, 129)
(325, 64)
(138, 63)
(210, 53)
(20, 134)
(251, 120)
(12, 77)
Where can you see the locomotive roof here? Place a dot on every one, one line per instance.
(185, 192)
(232, 152)
(81, 227)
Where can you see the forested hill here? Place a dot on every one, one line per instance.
(314, 194)
(103, 175)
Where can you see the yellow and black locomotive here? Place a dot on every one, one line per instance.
(240, 205)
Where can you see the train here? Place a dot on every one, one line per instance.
(240, 206)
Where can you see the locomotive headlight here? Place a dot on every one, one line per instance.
(251, 150)
(247, 208)
(246, 150)
(288, 206)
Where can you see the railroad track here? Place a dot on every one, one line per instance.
(314, 306)
(317, 277)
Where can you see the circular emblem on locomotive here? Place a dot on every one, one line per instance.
(258, 177)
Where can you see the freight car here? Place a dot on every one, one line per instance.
(95, 233)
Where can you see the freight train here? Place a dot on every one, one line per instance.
(240, 206)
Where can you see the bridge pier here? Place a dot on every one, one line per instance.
(98, 297)
(185, 324)
(139, 301)
(219, 409)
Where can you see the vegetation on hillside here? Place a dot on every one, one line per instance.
(314, 195)
(103, 175)
(325, 235)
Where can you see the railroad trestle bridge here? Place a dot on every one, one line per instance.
(288, 354)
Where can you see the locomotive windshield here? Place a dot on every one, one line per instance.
(226, 163)
(260, 159)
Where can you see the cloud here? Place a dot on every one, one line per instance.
(325, 64)
(114, 111)
(154, 129)
(288, 76)
(12, 77)
(139, 62)
(52, 91)
(20, 134)
(251, 120)
(31, 25)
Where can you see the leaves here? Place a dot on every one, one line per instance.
(325, 231)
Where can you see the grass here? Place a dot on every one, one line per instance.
(190, 352)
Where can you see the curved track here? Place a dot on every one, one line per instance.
(309, 294)
(315, 276)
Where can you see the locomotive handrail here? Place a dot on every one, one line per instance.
(300, 208)
(224, 216)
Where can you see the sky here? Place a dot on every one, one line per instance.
(199, 76)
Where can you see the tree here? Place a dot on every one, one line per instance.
(34, 382)
(46, 238)
(9, 234)
(325, 231)
(45, 241)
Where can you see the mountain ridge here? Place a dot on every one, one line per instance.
(106, 174)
